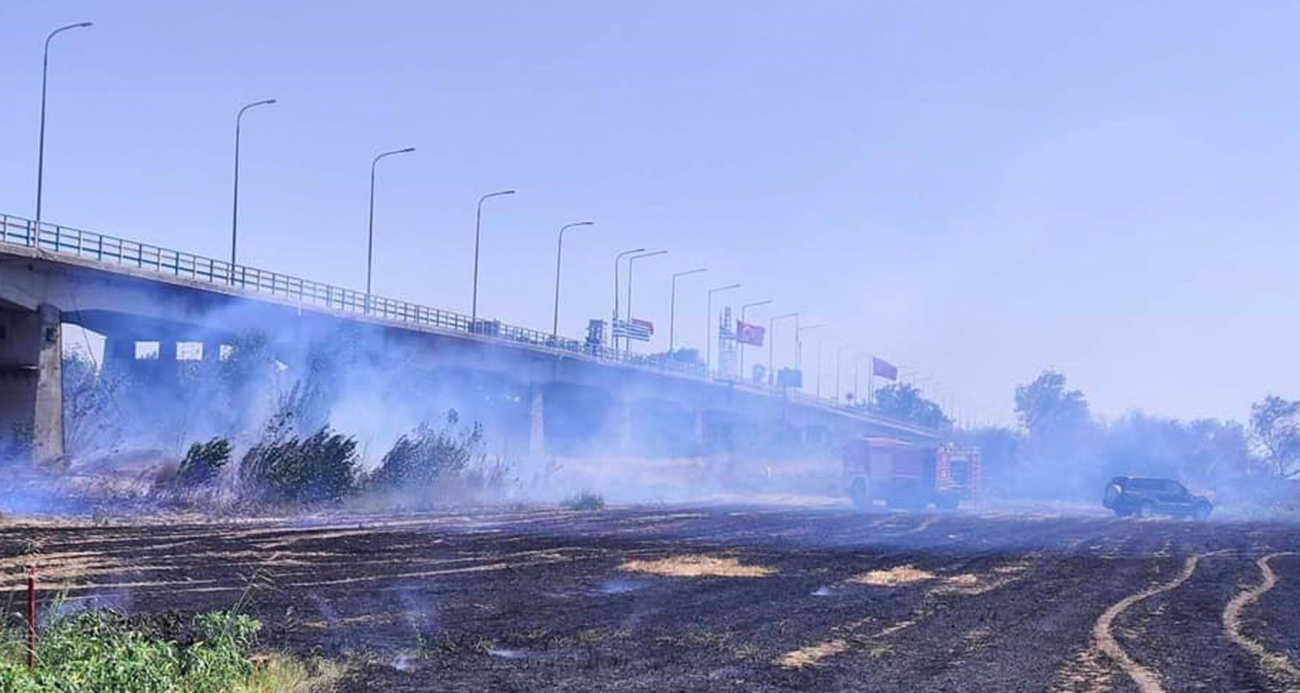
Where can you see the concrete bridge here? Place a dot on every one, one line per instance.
(582, 394)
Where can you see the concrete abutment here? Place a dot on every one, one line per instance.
(31, 385)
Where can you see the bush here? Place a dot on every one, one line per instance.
(104, 652)
(322, 467)
(586, 500)
(204, 462)
(420, 459)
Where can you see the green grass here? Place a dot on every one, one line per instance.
(105, 652)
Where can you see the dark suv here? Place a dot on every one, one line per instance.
(1145, 496)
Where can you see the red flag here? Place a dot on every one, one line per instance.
(747, 333)
(884, 369)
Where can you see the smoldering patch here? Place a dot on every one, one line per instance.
(617, 586)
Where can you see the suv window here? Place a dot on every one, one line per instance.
(1155, 486)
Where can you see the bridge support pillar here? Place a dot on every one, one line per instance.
(536, 423)
(623, 425)
(119, 353)
(31, 385)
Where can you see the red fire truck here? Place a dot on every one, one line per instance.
(911, 476)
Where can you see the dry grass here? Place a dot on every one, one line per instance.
(697, 566)
(277, 673)
(812, 654)
(898, 575)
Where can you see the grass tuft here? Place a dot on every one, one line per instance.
(587, 500)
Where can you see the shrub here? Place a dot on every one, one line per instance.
(419, 459)
(586, 500)
(106, 652)
(322, 467)
(102, 651)
(204, 462)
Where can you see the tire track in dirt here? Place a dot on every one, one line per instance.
(1147, 680)
(1276, 666)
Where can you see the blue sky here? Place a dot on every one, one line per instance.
(976, 191)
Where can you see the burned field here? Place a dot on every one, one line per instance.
(744, 599)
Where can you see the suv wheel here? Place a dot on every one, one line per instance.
(1202, 512)
(1147, 509)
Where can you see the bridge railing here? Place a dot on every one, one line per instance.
(127, 253)
(164, 261)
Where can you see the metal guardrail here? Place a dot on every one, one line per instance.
(112, 250)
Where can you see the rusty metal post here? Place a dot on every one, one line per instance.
(31, 617)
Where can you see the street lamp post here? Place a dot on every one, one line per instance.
(857, 361)
(370, 242)
(771, 343)
(708, 326)
(839, 358)
(478, 226)
(741, 347)
(40, 156)
(672, 305)
(618, 259)
(234, 212)
(559, 253)
(627, 343)
(818, 392)
(798, 347)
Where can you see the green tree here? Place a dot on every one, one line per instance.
(904, 402)
(1046, 409)
(1275, 433)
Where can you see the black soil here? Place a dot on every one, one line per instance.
(538, 600)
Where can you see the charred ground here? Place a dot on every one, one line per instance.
(741, 598)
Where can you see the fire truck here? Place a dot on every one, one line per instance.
(910, 476)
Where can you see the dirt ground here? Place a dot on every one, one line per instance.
(718, 598)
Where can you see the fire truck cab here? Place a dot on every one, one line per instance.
(910, 476)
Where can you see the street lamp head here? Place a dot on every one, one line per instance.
(390, 153)
(649, 254)
(269, 101)
(728, 287)
(694, 271)
(56, 32)
(498, 193)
